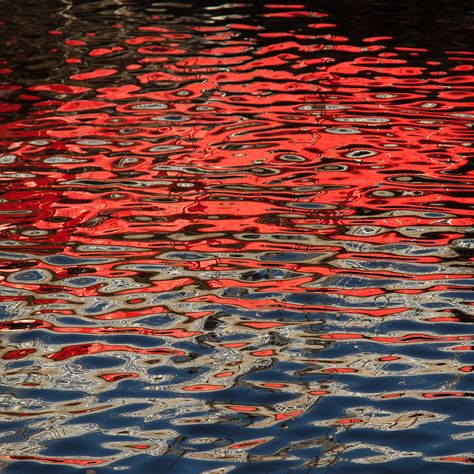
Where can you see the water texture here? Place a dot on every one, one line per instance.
(236, 237)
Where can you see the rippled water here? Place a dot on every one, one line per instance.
(236, 237)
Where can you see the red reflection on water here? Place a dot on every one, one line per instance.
(96, 348)
(58, 460)
(250, 192)
(203, 388)
(460, 459)
(18, 354)
(118, 377)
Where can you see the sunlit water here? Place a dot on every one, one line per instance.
(236, 237)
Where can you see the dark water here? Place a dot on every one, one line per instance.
(236, 237)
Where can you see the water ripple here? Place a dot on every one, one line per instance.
(236, 237)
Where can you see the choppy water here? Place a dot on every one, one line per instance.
(236, 237)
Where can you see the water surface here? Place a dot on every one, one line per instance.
(236, 237)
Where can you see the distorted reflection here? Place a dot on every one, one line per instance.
(236, 237)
